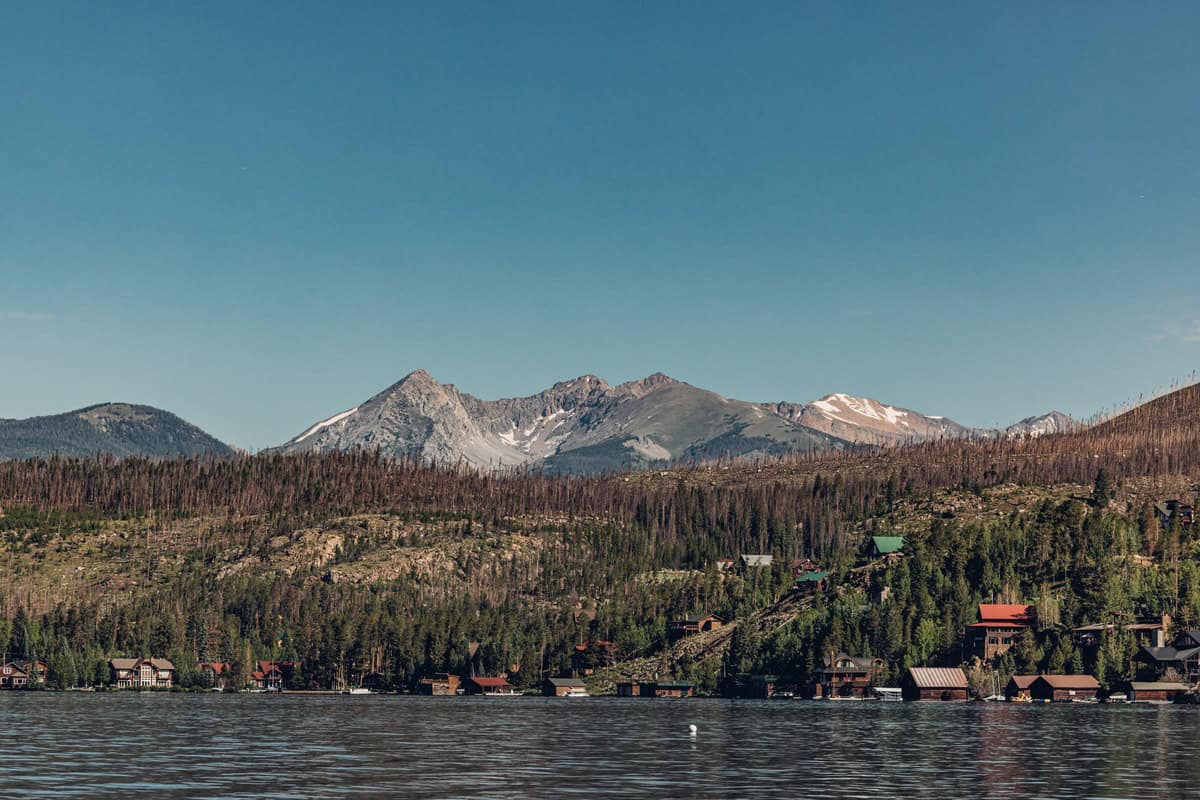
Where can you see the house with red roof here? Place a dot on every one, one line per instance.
(215, 672)
(998, 628)
(269, 676)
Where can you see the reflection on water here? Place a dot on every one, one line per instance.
(259, 746)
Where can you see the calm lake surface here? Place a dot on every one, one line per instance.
(261, 746)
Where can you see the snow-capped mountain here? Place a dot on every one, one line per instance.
(1054, 422)
(588, 425)
(581, 425)
(866, 421)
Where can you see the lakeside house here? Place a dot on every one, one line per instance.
(846, 677)
(800, 566)
(695, 623)
(998, 627)
(488, 687)
(1179, 660)
(948, 684)
(1156, 691)
(217, 673)
(269, 676)
(1064, 688)
(441, 684)
(1017, 689)
(561, 687)
(141, 673)
(629, 688)
(12, 676)
(1147, 632)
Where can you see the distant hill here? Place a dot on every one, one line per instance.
(119, 429)
(587, 425)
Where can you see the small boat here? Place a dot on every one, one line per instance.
(356, 690)
(995, 698)
(887, 693)
(575, 693)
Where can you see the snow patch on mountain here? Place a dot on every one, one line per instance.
(335, 419)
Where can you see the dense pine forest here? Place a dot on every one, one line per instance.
(352, 565)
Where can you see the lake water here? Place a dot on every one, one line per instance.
(260, 746)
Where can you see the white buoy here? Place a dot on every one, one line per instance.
(692, 730)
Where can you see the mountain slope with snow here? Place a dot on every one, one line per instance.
(588, 425)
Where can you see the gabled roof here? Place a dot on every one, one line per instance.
(568, 682)
(700, 617)
(938, 677)
(1000, 613)
(888, 544)
(1070, 681)
(813, 576)
(14, 666)
(490, 682)
(1150, 686)
(123, 663)
(1023, 681)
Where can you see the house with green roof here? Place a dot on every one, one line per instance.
(886, 545)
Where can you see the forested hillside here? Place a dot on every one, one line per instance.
(353, 564)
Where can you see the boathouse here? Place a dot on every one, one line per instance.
(676, 689)
(1064, 688)
(1157, 691)
(629, 688)
(935, 683)
(560, 687)
(1017, 689)
(487, 686)
(441, 684)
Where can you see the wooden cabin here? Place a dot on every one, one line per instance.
(13, 677)
(1064, 688)
(1017, 689)
(1171, 511)
(629, 689)
(812, 580)
(677, 689)
(695, 623)
(488, 687)
(1157, 691)
(886, 546)
(846, 677)
(935, 683)
(1147, 632)
(442, 684)
(561, 687)
(998, 627)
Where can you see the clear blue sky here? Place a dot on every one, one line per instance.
(257, 215)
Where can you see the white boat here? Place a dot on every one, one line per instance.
(356, 690)
(886, 693)
(575, 693)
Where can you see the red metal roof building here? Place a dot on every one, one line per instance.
(935, 683)
(998, 627)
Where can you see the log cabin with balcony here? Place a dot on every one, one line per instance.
(998, 628)
(846, 677)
